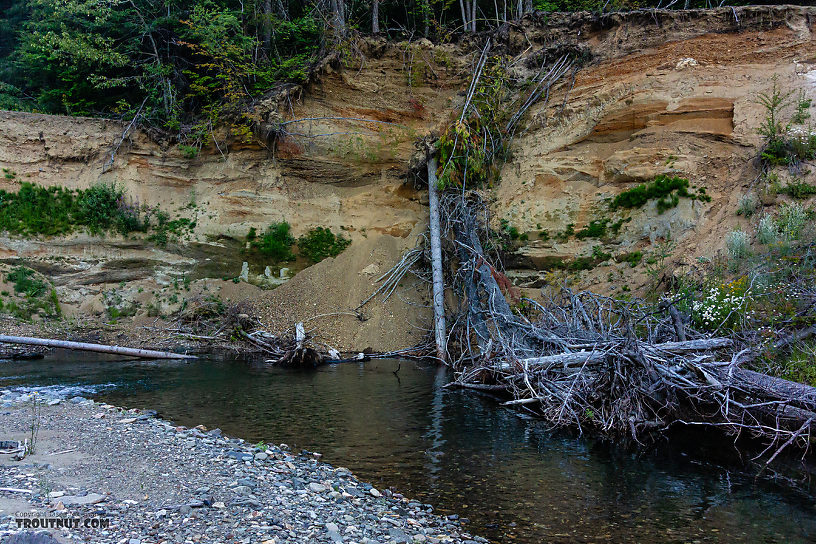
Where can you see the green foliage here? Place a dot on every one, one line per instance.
(276, 243)
(667, 190)
(784, 145)
(189, 151)
(470, 147)
(798, 189)
(510, 230)
(34, 295)
(748, 204)
(773, 101)
(599, 254)
(595, 229)
(803, 104)
(800, 365)
(26, 282)
(53, 211)
(633, 258)
(738, 244)
(320, 243)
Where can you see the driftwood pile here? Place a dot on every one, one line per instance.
(622, 369)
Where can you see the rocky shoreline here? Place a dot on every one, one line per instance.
(127, 477)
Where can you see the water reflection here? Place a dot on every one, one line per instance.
(459, 451)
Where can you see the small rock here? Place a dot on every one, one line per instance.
(54, 402)
(261, 456)
(74, 500)
(374, 492)
(30, 537)
(317, 488)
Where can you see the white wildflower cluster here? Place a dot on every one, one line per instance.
(718, 308)
(801, 133)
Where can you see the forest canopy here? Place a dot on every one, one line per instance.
(184, 66)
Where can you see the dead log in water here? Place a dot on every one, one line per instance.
(98, 348)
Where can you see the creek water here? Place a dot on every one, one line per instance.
(515, 480)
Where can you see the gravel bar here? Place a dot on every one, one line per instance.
(154, 482)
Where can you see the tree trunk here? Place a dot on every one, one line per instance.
(99, 348)
(426, 17)
(436, 264)
(465, 11)
(528, 6)
(375, 16)
(267, 25)
(473, 15)
(282, 11)
(339, 19)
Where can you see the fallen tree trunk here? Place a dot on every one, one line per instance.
(98, 348)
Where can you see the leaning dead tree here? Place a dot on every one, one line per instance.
(618, 368)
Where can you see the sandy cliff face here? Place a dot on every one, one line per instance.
(662, 94)
(685, 104)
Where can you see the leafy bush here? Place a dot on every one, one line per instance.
(737, 244)
(798, 189)
(54, 210)
(320, 243)
(595, 229)
(799, 366)
(26, 282)
(633, 258)
(667, 190)
(802, 106)
(98, 207)
(747, 205)
(791, 221)
(36, 295)
(276, 243)
(767, 231)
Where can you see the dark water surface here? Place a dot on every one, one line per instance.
(513, 479)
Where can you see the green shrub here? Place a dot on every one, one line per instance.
(26, 282)
(276, 243)
(802, 106)
(800, 366)
(667, 190)
(595, 229)
(54, 210)
(633, 258)
(747, 205)
(737, 244)
(320, 243)
(798, 189)
(792, 220)
(776, 152)
(767, 231)
(599, 254)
